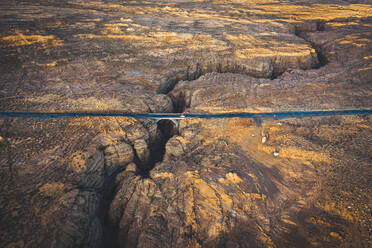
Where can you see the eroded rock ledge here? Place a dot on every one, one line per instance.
(121, 182)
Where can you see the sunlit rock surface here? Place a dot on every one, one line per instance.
(122, 182)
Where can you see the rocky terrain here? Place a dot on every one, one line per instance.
(125, 182)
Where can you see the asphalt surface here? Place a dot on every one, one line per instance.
(267, 115)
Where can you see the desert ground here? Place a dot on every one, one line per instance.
(126, 182)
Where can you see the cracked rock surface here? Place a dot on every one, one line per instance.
(124, 182)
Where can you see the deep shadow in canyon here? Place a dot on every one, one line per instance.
(123, 182)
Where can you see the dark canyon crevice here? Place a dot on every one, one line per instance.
(301, 30)
(223, 65)
(167, 128)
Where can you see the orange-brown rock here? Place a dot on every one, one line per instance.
(125, 182)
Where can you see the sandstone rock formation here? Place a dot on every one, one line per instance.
(125, 182)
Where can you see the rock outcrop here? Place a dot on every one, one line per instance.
(123, 182)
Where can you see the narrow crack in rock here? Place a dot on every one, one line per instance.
(152, 184)
(308, 27)
(147, 155)
(144, 158)
(199, 69)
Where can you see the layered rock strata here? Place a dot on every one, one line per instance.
(122, 182)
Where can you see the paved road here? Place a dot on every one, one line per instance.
(268, 115)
